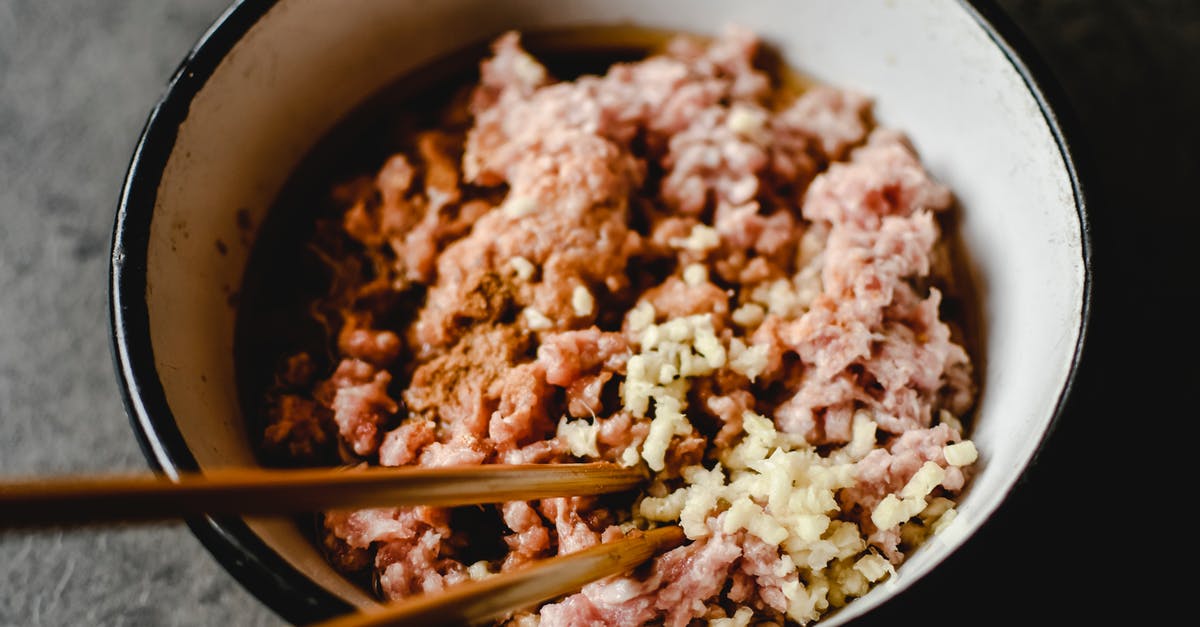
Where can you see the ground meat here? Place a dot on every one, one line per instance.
(729, 409)
(570, 525)
(522, 416)
(415, 566)
(756, 578)
(884, 178)
(675, 592)
(298, 370)
(402, 445)
(677, 264)
(542, 452)
(711, 162)
(569, 355)
(362, 527)
(869, 339)
(344, 557)
(530, 538)
(583, 395)
(360, 408)
(676, 299)
(836, 119)
(379, 348)
(299, 429)
(456, 388)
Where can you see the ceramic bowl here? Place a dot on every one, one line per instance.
(270, 78)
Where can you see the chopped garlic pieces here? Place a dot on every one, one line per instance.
(749, 361)
(760, 438)
(874, 567)
(523, 267)
(778, 297)
(745, 121)
(778, 489)
(480, 570)
(668, 422)
(812, 244)
(740, 618)
(579, 436)
(695, 274)
(862, 439)
(748, 515)
(671, 353)
(629, 457)
(945, 521)
(806, 603)
(702, 238)
(949, 420)
(927, 477)
(771, 485)
(892, 511)
(640, 317)
(536, 320)
(937, 506)
(516, 207)
(703, 495)
(582, 302)
(961, 454)
(810, 527)
(749, 315)
(806, 286)
(663, 509)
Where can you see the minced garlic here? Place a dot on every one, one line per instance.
(748, 315)
(480, 570)
(778, 488)
(745, 121)
(519, 206)
(771, 485)
(695, 274)
(927, 477)
(582, 302)
(579, 436)
(960, 454)
(671, 353)
(523, 267)
(701, 239)
(874, 567)
(536, 320)
(747, 360)
(740, 618)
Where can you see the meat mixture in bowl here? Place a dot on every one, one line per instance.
(681, 264)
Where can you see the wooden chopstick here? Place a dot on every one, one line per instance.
(486, 600)
(90, 500)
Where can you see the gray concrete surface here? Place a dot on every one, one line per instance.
(77, 78)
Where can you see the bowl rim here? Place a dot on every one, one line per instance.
(259, 569)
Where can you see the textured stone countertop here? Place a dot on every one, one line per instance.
(77, 79)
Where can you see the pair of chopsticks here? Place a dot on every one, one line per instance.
(72, 501)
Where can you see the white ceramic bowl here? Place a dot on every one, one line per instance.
(270, 78)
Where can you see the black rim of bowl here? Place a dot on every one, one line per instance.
(275, 582)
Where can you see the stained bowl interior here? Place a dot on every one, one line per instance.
(267, 82)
